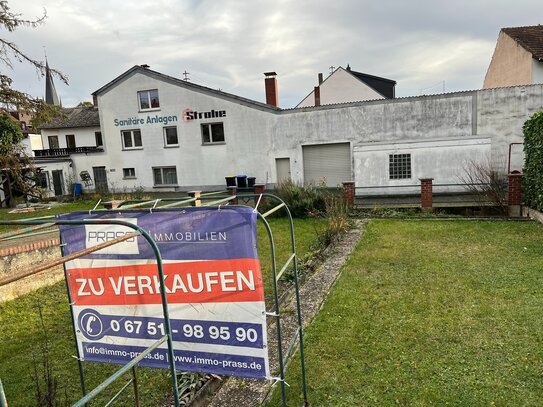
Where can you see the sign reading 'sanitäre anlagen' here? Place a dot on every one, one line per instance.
(188, 115)
(212, 280)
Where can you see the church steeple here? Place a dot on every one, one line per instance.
(51, 97)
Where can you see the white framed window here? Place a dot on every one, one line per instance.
(129, 173)
(399, 166)
(131, 139)
(212, 133)
(165, 175)
(148, 99)
(170, 137)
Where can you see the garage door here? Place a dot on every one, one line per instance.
(332, 161)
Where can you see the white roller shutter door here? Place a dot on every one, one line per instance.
(332, 161)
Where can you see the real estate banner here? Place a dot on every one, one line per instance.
(213, 284)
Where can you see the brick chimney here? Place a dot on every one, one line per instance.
(270, 83)
(320, 78)
(95, 100)
(317, 92)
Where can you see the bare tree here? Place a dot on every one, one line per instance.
(16, 167)
(486, 181)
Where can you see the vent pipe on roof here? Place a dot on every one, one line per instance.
(270, 83)
(145, 66)
(320, 78)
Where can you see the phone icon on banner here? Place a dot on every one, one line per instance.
(90, 324)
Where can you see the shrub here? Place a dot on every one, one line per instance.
(533, 167)
(300, 199)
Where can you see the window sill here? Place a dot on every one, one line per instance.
(219, 143)
(172, 146)
(130, 177)
(166, 186)
(152, 109)
(132, 148)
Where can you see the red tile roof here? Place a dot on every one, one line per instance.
(530, 38)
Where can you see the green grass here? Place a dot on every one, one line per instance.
(431, 313)
(55, 210)
(21, 335)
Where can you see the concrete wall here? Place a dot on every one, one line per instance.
(494, 114)
(245, 150)
(341, 87)
(13, 263)
(537, 71)
(446, 161)
(511, 64)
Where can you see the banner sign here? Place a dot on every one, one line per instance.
(213, 284)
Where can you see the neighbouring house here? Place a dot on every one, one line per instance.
(517, 59)
(70, 141)
(346, 85)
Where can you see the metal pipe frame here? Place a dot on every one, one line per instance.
(158, 257)
(276, 277)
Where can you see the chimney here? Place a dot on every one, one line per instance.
(95, 100)
(317, 92)
(320, 78)
(271, 89)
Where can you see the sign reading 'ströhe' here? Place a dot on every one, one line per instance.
(213, 284)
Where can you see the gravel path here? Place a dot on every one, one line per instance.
(246, 392)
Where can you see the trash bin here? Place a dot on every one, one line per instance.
(242, 181)
(78, 189)
(230, 181)
(251, 182)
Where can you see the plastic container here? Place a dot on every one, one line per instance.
(78, 189)
(242, 181)
(251, 182)
(230, 181)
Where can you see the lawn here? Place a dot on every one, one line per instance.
(21, 336)
(431, 313)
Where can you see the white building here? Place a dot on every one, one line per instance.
(71, 142)
(346, 85)
(165, 134)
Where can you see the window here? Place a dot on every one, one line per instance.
(212, 133)
(165, 175)
(399, 166)
(131, 139)
(170, 137)
(53, 141)
(148, 99)
(129, 173)
(70, 141)
(41, 179)
(98, 138)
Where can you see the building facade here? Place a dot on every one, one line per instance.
(517, 58)
(160, 133)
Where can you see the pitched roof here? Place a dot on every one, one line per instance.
(75, 117)
(51, 97)
(382, 85)
(529, 37)
(180, 82)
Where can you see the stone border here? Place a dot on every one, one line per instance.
(28, 247)
(533, 214)
(313, 293)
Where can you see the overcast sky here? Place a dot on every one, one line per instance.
(229, 44)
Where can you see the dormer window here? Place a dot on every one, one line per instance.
(148, 99)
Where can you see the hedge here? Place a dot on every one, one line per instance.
(533, 166)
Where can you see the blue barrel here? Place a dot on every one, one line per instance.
(78, 189)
